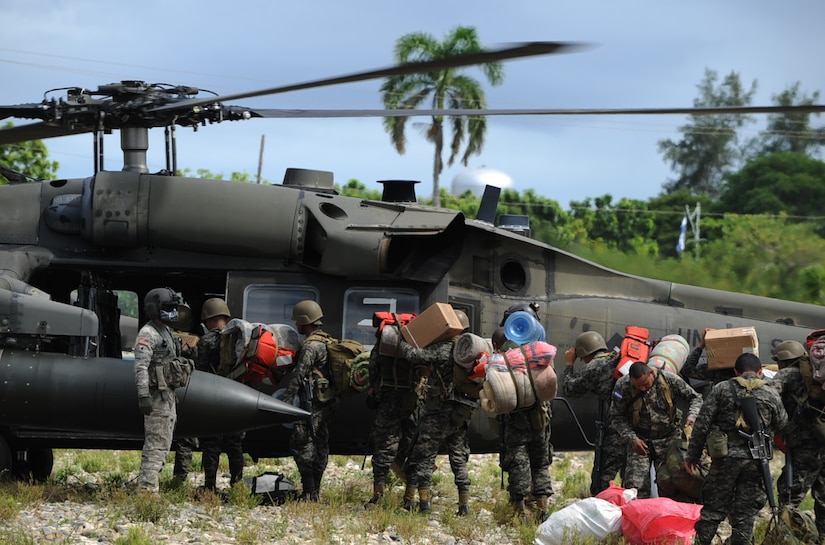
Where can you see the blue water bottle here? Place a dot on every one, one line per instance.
(522, 327)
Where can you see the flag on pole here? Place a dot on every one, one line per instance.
(680, 246)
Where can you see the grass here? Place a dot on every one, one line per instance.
(106, 478)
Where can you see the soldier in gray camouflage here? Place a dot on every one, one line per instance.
(645, 416)
(157, 402)
(526, 451)
(734, 486)
(215, 315)
(309, 441)
(446, 416)
(693, 370)
(804, 437)
(597, 378)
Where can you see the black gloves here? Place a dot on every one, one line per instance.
(145, 404)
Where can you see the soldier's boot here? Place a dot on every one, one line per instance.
(463, 504)
(377, 494)
(210, 482)
(542, 512)
(409, 498)
(425, 506)
(519, 511)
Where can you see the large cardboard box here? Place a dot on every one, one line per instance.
(437, 323)
(723, 346)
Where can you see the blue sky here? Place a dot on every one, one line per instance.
(643, 54)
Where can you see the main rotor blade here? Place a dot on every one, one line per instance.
(35, 131)
(28, 111)
(308, 113)
(528, 49)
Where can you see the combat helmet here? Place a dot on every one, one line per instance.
(214, 306)
(162, 303)
(588, 343)
(462, 317)
(532, 308)
(788, 350)
(307, 312)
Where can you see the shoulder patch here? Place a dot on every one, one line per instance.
(145, 341)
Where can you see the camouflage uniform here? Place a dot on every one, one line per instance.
(692, 370)
(734, 487)
(393, 389)
(209, 359)
(309, 441)
(659, 424)
(596, 377)
(445, 418)
(526, 453)
(807, 454)
(154, 342)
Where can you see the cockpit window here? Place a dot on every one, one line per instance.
(272, 304)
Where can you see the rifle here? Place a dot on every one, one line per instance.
(502, 445)
(307, 387)
(598, 461)
(759, 441)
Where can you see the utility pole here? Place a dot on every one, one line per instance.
(261, 159)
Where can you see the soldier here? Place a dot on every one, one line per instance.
(803, 400)
(392, 390)
(185, 446)
(309, 442)
(734, 486)
(644, 414)
(153, 345)
(215, 315)
(692, 370)
(446, 415)
(525, 436)
(597, 378)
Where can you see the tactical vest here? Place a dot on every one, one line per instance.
(637, 401)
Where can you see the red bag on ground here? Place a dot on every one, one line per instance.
(659, 521)
(617, 495)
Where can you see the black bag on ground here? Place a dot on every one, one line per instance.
(272, 487)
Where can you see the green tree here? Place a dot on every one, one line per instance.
(627, 225)
(206, 174)
(448, 88)
(791, 132)
(669, 209)
(709, 147)
(773, 184)
(29, 158)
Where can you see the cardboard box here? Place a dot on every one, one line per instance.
(439, 322)
(723, 346)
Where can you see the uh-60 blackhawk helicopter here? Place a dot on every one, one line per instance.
(69, 247)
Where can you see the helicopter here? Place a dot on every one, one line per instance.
(69, 247)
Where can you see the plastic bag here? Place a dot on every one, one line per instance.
(659, 521)
(617, 495)
(590, 517)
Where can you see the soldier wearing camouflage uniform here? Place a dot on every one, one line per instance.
(393, 383)
(734, 486)
(525, 437)
(647, 420)
(215, 314)
(597, 378)
(802, 398)
(309, 442)
(154, 343)
(692, 370)
(446, 416)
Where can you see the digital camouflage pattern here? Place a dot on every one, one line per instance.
(153, 343)
(526, 457)
(734, 485)
(443, 419)
(807, 455)
(656, 426)
(596, 378)
(309, 441)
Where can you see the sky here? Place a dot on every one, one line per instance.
(639, 54)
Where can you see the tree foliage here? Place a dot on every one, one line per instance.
(29, 158)
(709, 147)
(448, 88)
(791, 132)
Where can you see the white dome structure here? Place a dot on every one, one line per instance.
(475, 179)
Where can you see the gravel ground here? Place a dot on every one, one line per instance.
(340, 520)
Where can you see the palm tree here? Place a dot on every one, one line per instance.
(447, 88)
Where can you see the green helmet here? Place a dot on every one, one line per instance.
(214, 306)
(462, 317)
(307, 312)
(788, 350)
(589, 342)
